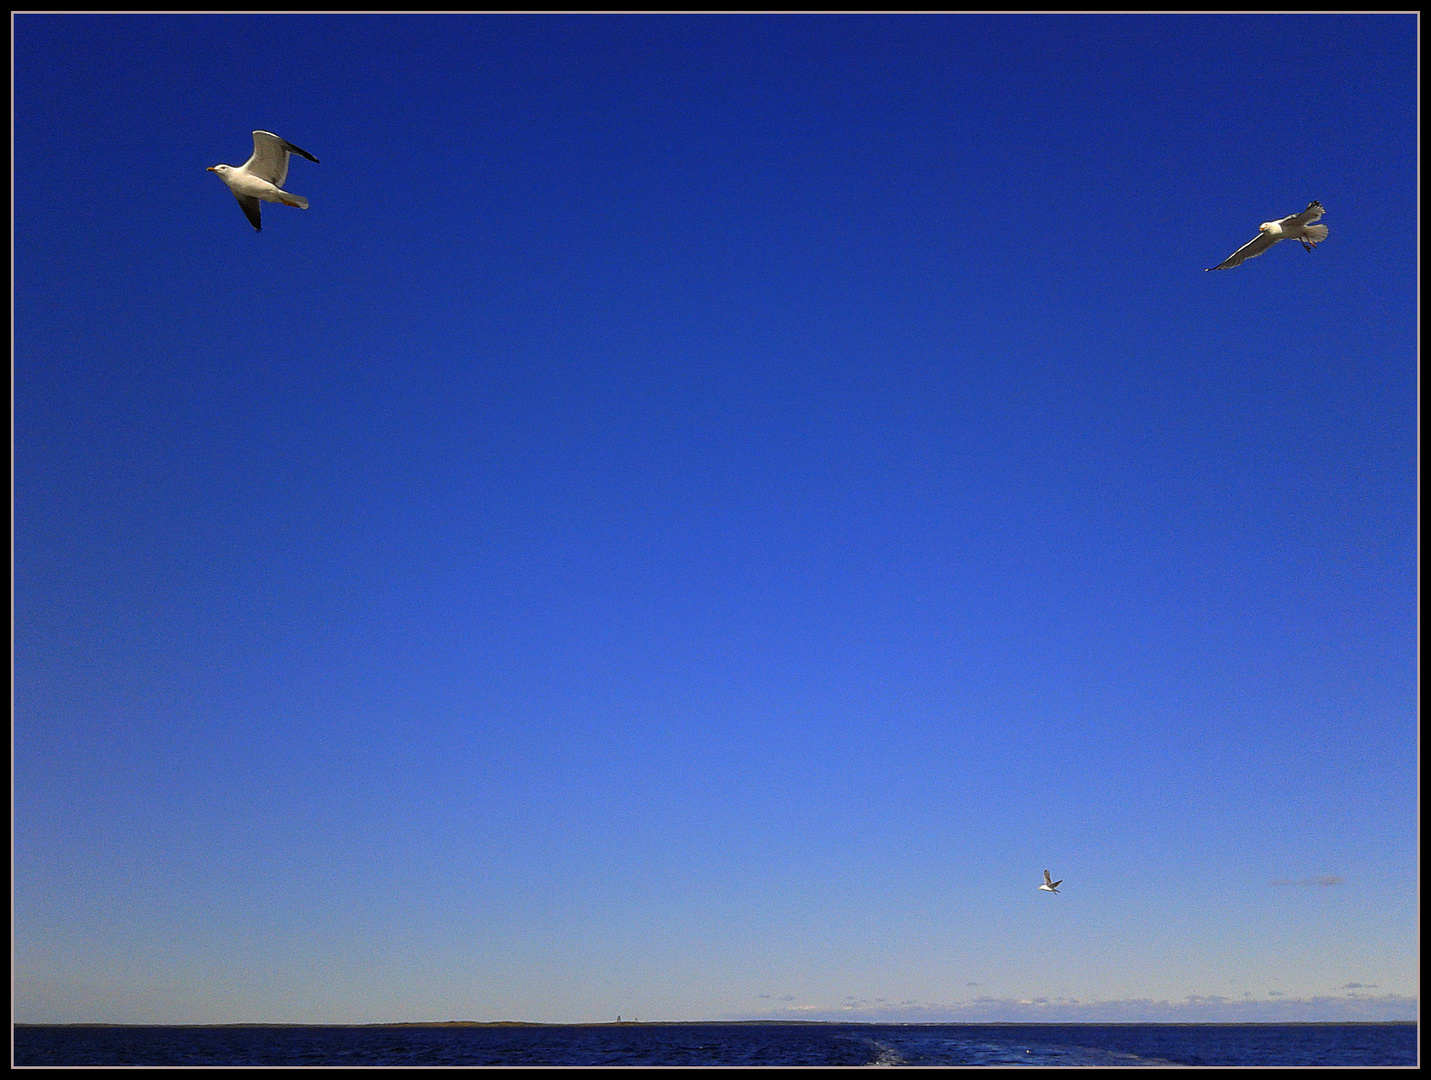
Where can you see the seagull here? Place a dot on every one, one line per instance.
(262, 176)
(1049, 885)
(1294, 227)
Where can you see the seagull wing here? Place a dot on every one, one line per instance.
(270, 157)
(1056, 884)
(1256, 246)
(1307, 216)
(250, 209)
(1047, 880)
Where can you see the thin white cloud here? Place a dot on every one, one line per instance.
(1195, 1008)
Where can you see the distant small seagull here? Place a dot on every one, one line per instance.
(262, 176)
(1049, 885)
(1295, 227)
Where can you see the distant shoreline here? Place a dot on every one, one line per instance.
(744, 1023)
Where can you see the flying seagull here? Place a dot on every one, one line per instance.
(1294, 227)
(262, 176)
(1049, 885)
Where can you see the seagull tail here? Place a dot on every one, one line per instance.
(294, 200)
(1317, 233)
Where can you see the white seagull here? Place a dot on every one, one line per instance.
(1293, 227)
(1049, 885)
(262, 176)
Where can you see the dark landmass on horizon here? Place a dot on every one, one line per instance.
(737, 1023)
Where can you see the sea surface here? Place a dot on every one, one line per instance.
(722, 1044)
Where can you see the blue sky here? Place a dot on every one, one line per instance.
(703, 510)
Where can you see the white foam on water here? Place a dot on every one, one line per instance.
(885, 1054)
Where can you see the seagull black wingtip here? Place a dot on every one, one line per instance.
(300, 152)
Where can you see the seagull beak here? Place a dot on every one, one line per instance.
(211, 168)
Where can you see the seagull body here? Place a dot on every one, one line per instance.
(262, 176)
(1293, 227)
(1049, 885)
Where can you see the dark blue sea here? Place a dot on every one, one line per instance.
(810, 1044)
